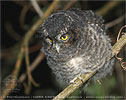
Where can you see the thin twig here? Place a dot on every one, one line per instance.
(36, 7)
(123, 64)
(27, 38)
(22, 16)
(12, 32)
(35, 47)
(11, 53)
(115, 22)
(120, 31)
(71, 3)
(38, 59)
(107, 7)
(30, 79)
(72, 87)
(22, 4)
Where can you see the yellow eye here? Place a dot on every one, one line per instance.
(49, 40)
(65, 37)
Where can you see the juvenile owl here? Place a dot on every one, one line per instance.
(75, 42)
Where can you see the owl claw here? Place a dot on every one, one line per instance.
(77, 77)
(73, 80)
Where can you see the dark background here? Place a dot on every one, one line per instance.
(11, 43)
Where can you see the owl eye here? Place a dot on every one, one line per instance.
(64, 37)
(48, 40)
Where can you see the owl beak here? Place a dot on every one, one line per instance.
(57, 48)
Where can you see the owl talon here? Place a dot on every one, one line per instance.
(77, 77)
(80, 78)
(73, 80)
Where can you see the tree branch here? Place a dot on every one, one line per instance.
(115, 22)
(72, 87)
(36, 7)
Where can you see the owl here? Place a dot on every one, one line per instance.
(75, 43)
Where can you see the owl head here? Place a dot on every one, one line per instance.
(63, 33)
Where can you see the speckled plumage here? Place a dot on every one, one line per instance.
(86, 51)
